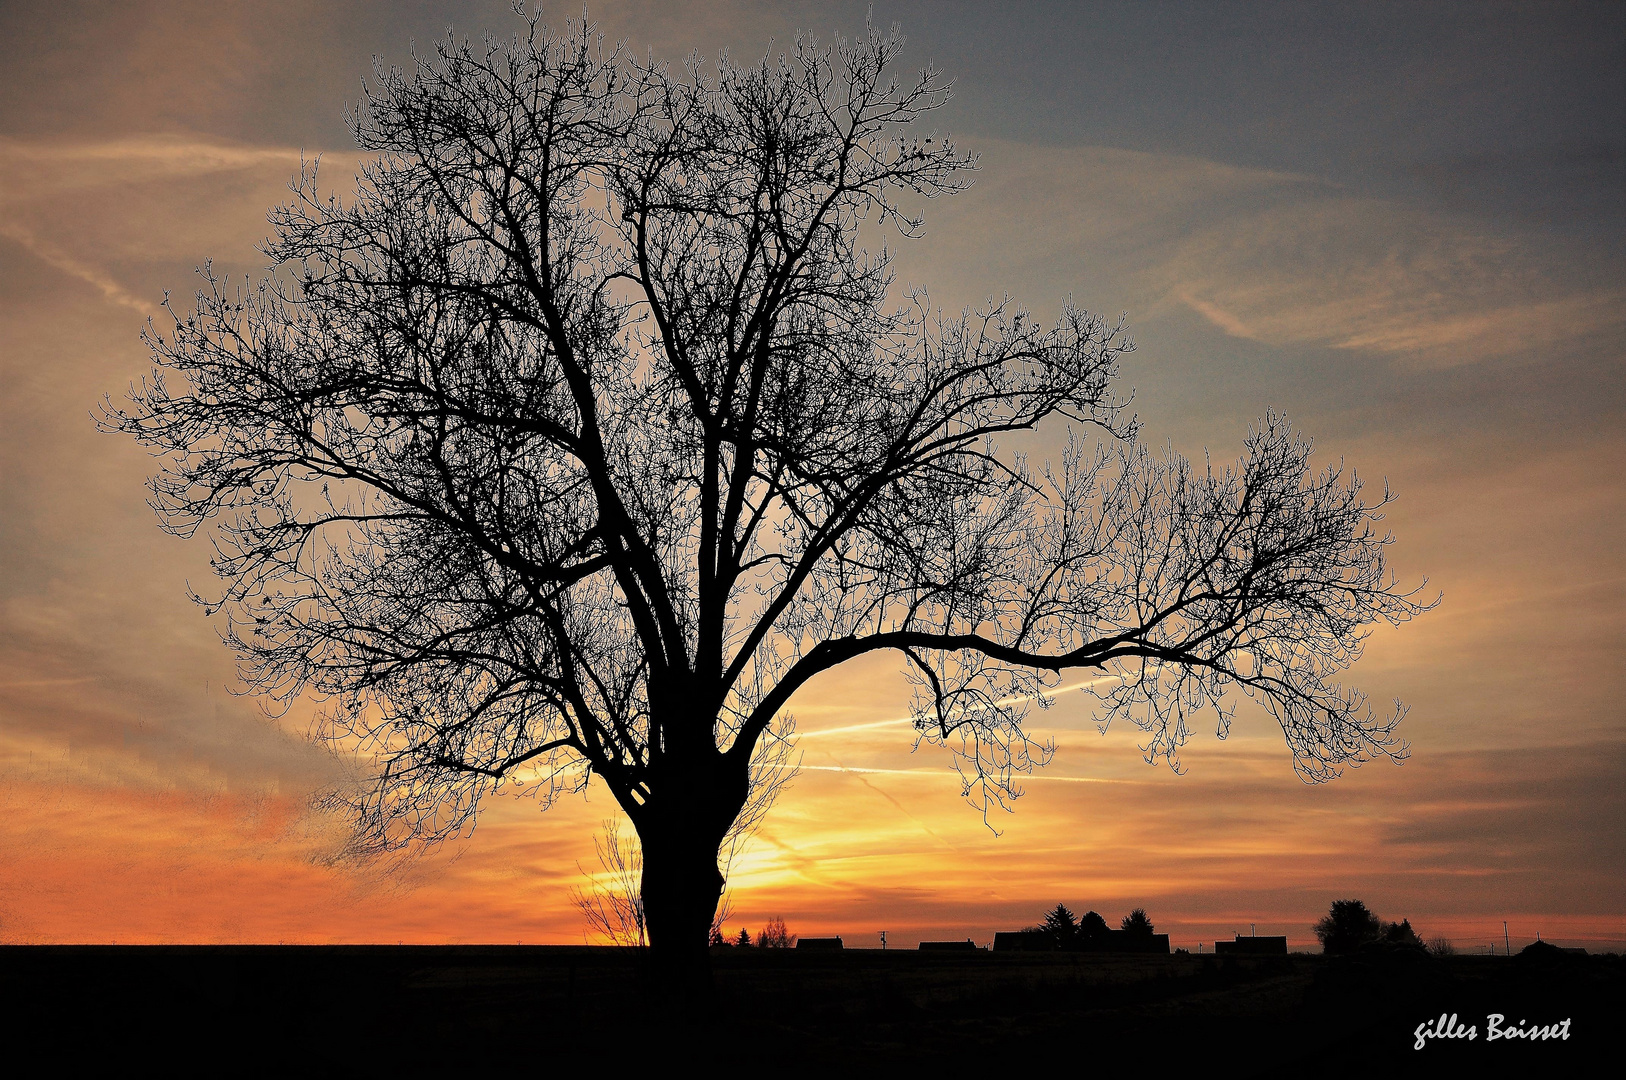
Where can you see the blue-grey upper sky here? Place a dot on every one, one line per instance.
(1506, 108)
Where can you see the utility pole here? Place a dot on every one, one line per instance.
(883, 941)
(1506, 944)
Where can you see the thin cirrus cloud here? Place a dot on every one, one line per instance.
(1350, 273)
(56, 256)
(1275, 257)
(105, 211)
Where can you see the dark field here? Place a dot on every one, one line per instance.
(389, 1007)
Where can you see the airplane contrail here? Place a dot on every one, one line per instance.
(872, 724)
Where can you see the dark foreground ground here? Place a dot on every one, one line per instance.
(315, 1008)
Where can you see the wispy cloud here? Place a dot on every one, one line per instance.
(54, 255)
(908, 721)
(1332, 271)
(91, 208)
(1265, 255)
(1493, 332)
(950, 774)
(95, 162)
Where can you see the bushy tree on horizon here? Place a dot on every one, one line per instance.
(1137, 923)
(1401, 935)
(1092, 927)
(1061, 926)
(1347, 927)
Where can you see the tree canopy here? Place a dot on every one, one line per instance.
(1061, 925)
(1348, 926)
(585, 431)
(1137, 923)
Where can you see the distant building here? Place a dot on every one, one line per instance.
(1023, 941)
(1125, 941)
(949, 946)
(818, 943)
(1252, 946)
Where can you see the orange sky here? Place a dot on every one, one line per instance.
(1437, 314)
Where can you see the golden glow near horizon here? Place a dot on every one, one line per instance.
(1467, 351)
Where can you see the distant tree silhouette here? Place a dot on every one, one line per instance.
(1061, 926)
(744, 940)
(587, 430)
(1138, 924)
(1401, 935)
(775, 936)
(717, 937)
(1092, 928)
(1347, 927)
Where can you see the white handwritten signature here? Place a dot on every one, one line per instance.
(1448, 1027)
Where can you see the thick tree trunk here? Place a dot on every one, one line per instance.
(681, 888)
(681, 830)
(695, 794)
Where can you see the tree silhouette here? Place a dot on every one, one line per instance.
(613, 906)
(1401, 935)
(1138, 924)
(1347, 927)
(775, 935)
(584, 433)
(1061, 926)
(1092, 928)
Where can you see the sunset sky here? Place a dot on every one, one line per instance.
(1403, 225)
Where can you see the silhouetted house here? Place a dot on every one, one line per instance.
(1127, 941)
(818, 943)
(949, 946)
(1023, 941)
(1252, 946)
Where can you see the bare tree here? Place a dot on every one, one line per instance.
(584, 433)
(776, 935)
(612, 904)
